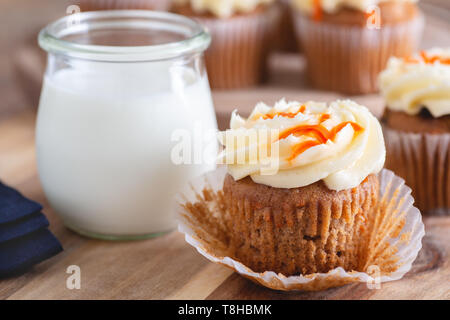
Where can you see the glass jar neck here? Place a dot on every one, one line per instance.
(124, 36)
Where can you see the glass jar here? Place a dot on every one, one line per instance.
(118, 87)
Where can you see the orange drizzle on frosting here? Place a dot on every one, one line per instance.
(280, 114)
(324, 117)
(302, 147)
(339, 127)
(317, 14)
(318, 132)
(315, 130)
(427, 59)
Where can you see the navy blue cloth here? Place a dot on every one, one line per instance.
(22, 227)
(18, 255)
(24, 237)
(14, 206)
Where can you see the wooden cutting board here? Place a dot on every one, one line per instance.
(167, 267)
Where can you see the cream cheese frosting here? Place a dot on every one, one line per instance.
(332, 6)
(223, 8)
(340, 143)
(423, 80)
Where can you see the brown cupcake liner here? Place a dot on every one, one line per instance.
(239, 48)
(285, 39)
(328, 229)
(391, 241)
(348, 59)
(423, 160)
(94, 5)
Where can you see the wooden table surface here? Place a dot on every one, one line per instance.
(167, 267)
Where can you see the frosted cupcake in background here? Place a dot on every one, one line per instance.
(285, 39)
(241, 31)
(348, 42)
(417, 125)
(94, 5)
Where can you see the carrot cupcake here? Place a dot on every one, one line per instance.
(309, 214)
(94, 5)
(285, 39)
(417, 125)
(348, 42)
(241, 32)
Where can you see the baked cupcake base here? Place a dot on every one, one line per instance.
(394, 242)
(418, 150)
(347, 57)
(239, 48)
(285, 39)
(300, 230)
(423, 160)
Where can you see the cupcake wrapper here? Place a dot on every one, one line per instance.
(328, 230)
(285, 39)
(93, 5)
(239, 48)
(349, 58)
(394, 242)
(423, 160)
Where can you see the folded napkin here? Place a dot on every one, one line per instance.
(14, 206)
(24, 237)
(21, 254)
(22, 227)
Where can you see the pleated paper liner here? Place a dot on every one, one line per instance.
(423, 160)
(94, 5)
(394, 242)
(285, 39)
(328, 226)
(239, 48)
(348, 59)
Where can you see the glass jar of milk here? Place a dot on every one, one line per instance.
(118, 87)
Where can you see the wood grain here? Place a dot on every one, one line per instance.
(167, 267)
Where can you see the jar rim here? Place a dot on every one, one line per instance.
(50, 37)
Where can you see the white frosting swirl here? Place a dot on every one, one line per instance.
(332, 6)
(342, 162)
(422, 80)
(222, 8)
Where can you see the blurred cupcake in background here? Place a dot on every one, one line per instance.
(286, 39)
(417, 125)
(93, 5)
(348, 42)
(241, 31)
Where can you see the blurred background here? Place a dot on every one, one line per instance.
(22, 62)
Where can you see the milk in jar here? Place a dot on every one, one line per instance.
(104, 139)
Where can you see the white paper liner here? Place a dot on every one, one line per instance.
(408, 242)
